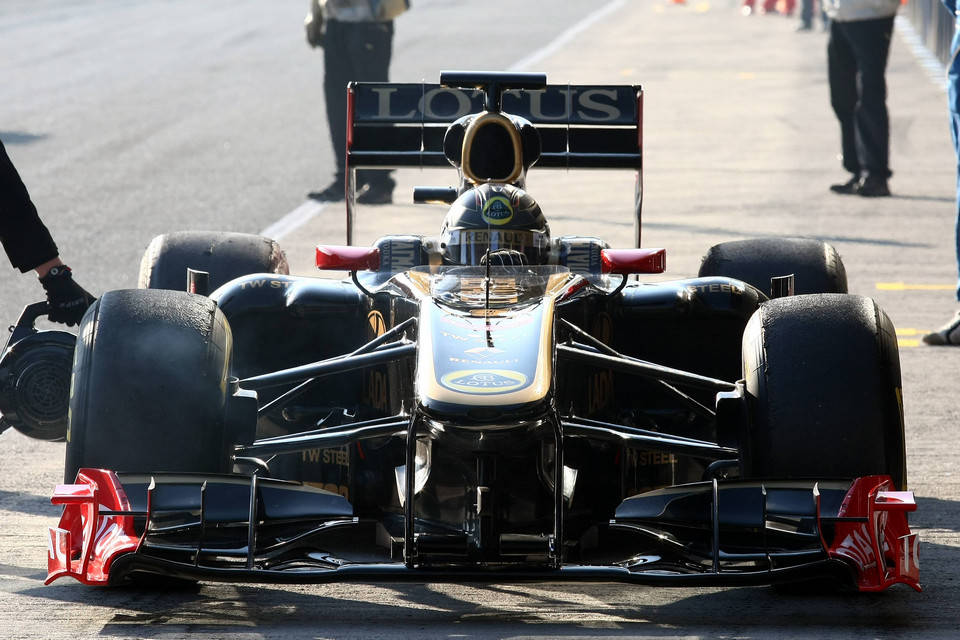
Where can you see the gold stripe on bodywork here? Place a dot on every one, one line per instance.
(428, 387)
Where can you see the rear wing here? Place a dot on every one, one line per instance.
(398, 125)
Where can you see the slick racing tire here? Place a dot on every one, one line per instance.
(823, 389)
(149, 385)
(815, 265)
(224, 255)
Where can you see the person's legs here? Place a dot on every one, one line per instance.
(955, 136)
(806, 14)
(354, 52)
(842, 75)
(373, 50)
(870, 43)
(953, 110)
(949, 333)
(337, 72)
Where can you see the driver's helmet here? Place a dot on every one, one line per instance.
(496, 222)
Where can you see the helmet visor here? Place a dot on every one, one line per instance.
(469, 246)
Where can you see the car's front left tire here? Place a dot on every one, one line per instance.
(823, 389)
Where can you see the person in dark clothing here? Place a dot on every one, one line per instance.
(357, 41)
(806, 15)
(30, 247)
(860, 32)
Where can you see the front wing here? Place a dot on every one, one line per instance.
(721, 533)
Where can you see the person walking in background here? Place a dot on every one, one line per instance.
(29, 246)
(357, 41)
(806, 15)
(949, 334)
(857, 52)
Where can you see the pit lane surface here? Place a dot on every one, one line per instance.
(128, 120)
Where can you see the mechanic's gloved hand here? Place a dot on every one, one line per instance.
(67, 300)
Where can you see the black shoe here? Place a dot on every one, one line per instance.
(373, 194)
(870, 187)
(847, 188)
(332, 193)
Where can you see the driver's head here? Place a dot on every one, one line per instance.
(499, 220)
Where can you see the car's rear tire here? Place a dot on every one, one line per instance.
(823, 389)
(225, 255)
(815, 265)
(149, 385)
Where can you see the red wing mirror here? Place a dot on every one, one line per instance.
(627, 261)
(340, 258)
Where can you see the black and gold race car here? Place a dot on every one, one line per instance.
(490, 403)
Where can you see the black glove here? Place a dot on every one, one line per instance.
(67, 300)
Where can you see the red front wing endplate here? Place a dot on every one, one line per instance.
(92, 530)
(872, 534)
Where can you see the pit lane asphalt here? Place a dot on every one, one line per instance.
(739, 142)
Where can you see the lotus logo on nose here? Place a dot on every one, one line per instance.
(484, 381)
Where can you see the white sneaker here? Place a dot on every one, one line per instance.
(948, 334)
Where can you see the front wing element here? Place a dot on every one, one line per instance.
(719, 533)
(96, 526)
(872, 534)
(748, 527)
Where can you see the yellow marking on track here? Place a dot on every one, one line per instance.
(903, 286)
(910, 337)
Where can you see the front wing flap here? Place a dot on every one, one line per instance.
(745, 527)
(712, 533)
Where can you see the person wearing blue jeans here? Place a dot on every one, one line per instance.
(949, 334)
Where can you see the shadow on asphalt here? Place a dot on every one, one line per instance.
(408, 610)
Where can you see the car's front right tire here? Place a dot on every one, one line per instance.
(149, 385)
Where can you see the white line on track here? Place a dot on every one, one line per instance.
(294, 220)
(311, 209)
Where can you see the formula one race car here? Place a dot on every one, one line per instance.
(492, 403)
